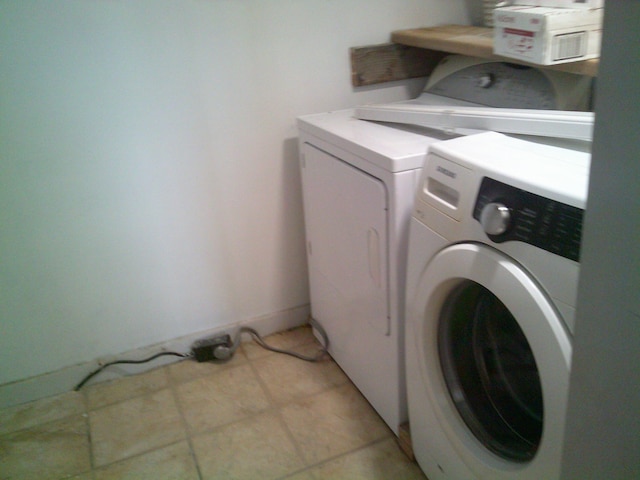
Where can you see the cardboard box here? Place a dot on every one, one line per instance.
(547, 36)
(561, 3)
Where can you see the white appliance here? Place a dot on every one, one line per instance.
(491, 288)
(359, 180)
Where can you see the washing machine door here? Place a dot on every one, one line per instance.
(494, 357)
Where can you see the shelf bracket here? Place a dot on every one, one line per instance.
(390, 62)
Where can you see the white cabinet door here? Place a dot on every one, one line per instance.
(347, 237)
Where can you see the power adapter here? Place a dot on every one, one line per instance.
(213, 348)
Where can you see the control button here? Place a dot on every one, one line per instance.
(525, 222)
(495, 218)
(486, 80)
(524, 229)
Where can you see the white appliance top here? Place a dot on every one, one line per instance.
(552, 172)
(457, 81)
(394, 148)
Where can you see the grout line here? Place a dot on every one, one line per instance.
(349, 452)
(41, 423)
(134, 456)
(166, 388)
(277, 409)
(278, 406)
(206, 431)
(173, 384)
(85, 403)
(130, 395)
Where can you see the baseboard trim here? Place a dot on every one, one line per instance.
(66, 379)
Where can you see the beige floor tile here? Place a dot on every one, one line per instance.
(114, 391)
(381, 461)
(134, 426)
(174, 462)
(41, 411)
(257, 447)
(187, 370)
(54, 450)
(332, 423)
(221, 398)
(288, 378)
(287, 340)
(137, 428)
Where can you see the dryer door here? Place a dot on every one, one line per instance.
(494, 356)
(346, 222)
(347, 234)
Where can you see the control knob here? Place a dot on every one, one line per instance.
(495, 218)
(485, 80)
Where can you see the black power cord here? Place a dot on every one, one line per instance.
(206, 350)
(153, 357)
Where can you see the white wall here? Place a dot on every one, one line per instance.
(148, 163)
(603, 427)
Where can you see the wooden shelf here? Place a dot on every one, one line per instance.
(476, 42)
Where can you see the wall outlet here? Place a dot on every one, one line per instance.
(212, 348)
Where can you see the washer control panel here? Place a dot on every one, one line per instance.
(508, 213)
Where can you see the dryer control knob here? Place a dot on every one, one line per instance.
(486, 80)
(495, 218)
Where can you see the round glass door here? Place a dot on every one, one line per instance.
(490, 372)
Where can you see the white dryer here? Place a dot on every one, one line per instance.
(359, 180)
(491, 288)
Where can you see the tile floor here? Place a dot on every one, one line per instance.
(261, 415)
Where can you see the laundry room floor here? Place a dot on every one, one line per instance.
(261, 415)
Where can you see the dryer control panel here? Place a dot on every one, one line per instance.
(508, 213)
(501, 84)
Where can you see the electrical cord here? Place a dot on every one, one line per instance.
(260, 341)
(225, 353)
(153, 357)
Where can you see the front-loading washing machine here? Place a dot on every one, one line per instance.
(491, 289)
(359, 180)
